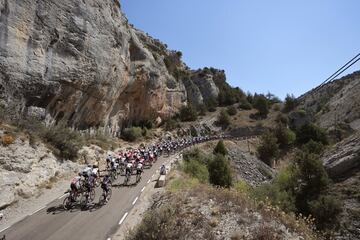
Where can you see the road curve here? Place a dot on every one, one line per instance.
(96, 223)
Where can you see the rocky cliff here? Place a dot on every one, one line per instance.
(337, 102)
(82, 62)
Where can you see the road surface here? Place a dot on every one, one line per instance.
(95, 223)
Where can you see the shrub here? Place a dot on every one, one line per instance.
(131, 134)
(262, 105)
(285, 136)
(282, 119)
(311, 132)
(7, 139)
(245, 105)
(231, 110)
(202, 110)
(313, 147)
(188, 114)
(196, 155)
(290, 103)
(277, 197)
(242, 186)
(223, 119)
(211, 104)
(312, 179)
(197, 170)
(220, 148)
(268, 149)
(219, 171)
(326, 210)
(171, 124)
(66, 141)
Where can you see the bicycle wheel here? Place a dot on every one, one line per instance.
(84, 199)
(67, 204)
(102, 199)
(92, 195)
(109, 194)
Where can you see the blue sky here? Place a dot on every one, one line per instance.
(280, 46)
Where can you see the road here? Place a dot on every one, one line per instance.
(96, 223)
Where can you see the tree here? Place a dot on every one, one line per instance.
(220, 148)
(261, 104)
(312, 179)
(311, 132)
(219, 171)
(188, 114)
(285, 136)
(290, 103)
(223, 119)
(268, 149)
(231, 110)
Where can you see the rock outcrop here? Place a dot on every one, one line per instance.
(344, 158)
(81, 62)
(337, 102)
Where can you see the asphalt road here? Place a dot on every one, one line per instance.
(95, 223)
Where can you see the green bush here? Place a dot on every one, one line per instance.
(262, 105)
(188, 114)
(202, 110)
(312, 179)
(220, 148)
(131, 134)
(197, 170)
(223, 119)
(290, 103)
(245, 105)
(277, 197)
(231, 110)
(211, 104)
(285, 136)
(325, 210)
(242, 186)
(171, 124)
(268, 149)
(282, 119)
(196, 155)
(219, 171)
(311, 132)
(313, 147)
(67, 143)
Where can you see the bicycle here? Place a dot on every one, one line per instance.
(87, 197)
(105, 196)
(138, 177)
(70, 199)
(127, 178)
(113, 175)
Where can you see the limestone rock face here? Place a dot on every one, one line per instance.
(82, 62)
(344, 157)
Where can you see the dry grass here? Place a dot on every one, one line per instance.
(8, 139)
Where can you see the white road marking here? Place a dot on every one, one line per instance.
(4, 229)
(142, 189)
(148, 181)
(133, 203)
(38, 210)
(108, 239)
(123, 218)
(153, 176)
(62, 196)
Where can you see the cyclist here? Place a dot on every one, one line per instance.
(105, 185)
(75, 187)
(139, 170)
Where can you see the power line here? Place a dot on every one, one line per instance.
(340, 71)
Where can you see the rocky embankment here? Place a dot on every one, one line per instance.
(81, 62)
(27, 169)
